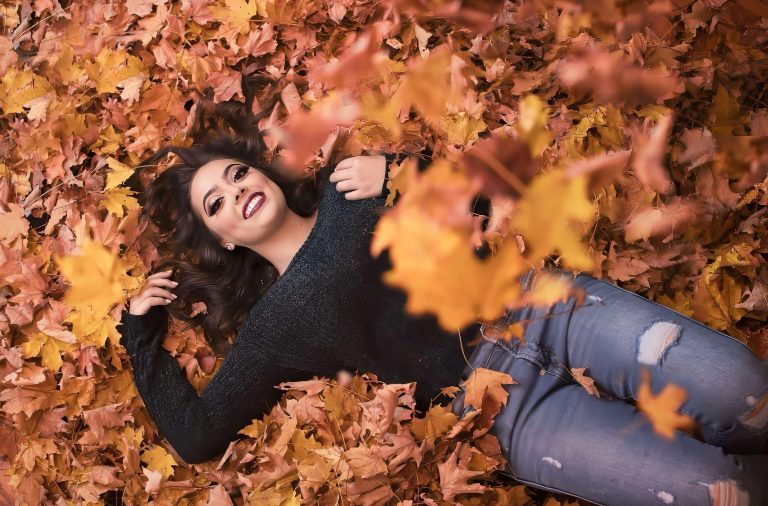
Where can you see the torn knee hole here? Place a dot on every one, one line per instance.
(726, 493)
(757, 416)
(655, 341)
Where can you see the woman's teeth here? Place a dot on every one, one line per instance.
(252, 205)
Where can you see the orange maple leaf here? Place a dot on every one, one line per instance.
(484, 382)
(661, 409)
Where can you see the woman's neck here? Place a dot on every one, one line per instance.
(286, 242)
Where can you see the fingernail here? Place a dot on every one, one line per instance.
(175, 282)
(168, 300)
(174, 296)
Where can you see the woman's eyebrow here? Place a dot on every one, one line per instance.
(224, 176)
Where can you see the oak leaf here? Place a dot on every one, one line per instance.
(454, 480)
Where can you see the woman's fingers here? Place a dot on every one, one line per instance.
(354, 195)
(162, 282)
(346, 185)
(161, 274)
(346, 163)
(341, 175)
(160, 292)
(156, 301)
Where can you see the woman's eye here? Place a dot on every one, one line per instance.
(214, 206)
(244, 171)
(237, 177)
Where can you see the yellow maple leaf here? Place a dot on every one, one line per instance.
(120, 172)
(19, 88)
(546, 214)
(426, 86)
(301, 446)
(157, 459)
(234, 16)
(714, 306)
(662, 409)
(653, 111)
(48, 348)
(93, 326)
(274, 496)
(315, 470)
(429, 235)
(548, 289)
(255, 429)
(435, 423)
(108, 142)
(381, 111)
(66, 67)
(531, 127)
(441, 274)
(113, 67)
(338, 402)
(461, 128)
(119, 198)
(93, 276)
(401, 176)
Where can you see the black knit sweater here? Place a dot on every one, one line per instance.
(328, 311)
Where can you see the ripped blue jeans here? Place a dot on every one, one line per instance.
(555, 436)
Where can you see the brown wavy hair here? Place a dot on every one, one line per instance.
(228, 282)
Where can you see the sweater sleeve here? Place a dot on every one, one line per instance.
(198, 427)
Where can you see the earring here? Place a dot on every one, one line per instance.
(230, 246)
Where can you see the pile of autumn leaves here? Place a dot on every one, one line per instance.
(624, 143)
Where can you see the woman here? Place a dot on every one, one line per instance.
(296, 280)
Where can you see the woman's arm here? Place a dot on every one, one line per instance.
(200, 427)
(363, 177)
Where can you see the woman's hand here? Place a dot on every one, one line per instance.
(152, 294)
(361, 176)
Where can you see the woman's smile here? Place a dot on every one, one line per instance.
(253, 204)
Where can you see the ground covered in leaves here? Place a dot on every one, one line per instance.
(626, 139)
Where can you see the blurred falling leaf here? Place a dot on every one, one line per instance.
(662, 409)
(93, 276)
(546, 214)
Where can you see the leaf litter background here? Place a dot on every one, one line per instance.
(626, 139)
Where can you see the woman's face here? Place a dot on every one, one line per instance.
(223, 194)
